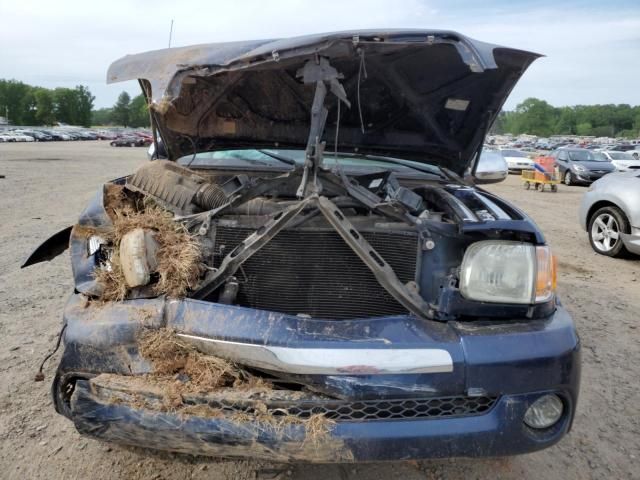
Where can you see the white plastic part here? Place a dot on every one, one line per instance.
(138, 257)
(95, 242)
(499, 271)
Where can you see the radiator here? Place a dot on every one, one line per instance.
(314, 272)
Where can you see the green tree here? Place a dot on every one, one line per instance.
(73, 106)
(536, 117)
(12, 100)
(84, 105)
(636, 122)
(603, 131)
(138, 112)
(29, 107)
(583, 128)
(121, 110)
(566, 123)
(66, 105)
(102, 116)
(45, 114)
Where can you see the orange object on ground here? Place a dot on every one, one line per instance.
(547, 163)
(545, 172)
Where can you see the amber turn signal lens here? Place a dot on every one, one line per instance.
(546, 280)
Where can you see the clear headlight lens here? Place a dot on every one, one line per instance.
(544, 412)
(579, 168)
(94, 243)
(507, 272)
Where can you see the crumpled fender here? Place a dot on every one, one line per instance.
(50, 248)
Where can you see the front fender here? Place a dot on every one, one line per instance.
(50, 248)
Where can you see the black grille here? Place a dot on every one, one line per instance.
(314, 272)
(368, 409)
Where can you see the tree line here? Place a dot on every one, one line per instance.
(24, 104)
(28, 105)
(126, 112)
(537, 117)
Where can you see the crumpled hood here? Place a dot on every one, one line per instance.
(423, 95)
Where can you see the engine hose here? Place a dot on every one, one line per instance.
(210, 196)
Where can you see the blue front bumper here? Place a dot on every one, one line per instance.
(498, 432)
(515, 362)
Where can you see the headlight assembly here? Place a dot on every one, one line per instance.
(507, 272)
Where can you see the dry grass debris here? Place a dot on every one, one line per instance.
(174, 358)
(179, 254)
(170, 356)
(317, 428)
(111, 279)
(116, 199)
(202, 410)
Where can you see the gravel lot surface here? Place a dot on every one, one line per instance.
(46, 185)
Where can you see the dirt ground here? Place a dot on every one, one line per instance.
(46, 185)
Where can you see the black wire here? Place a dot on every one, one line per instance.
(40, 375)
(195, 149)
(335, 141)
(361, 68)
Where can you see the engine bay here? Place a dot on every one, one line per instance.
(356, 246)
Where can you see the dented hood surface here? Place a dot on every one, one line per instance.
(422, 95)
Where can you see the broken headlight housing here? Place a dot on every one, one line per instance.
(499, 271)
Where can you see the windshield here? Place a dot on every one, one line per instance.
(514, 153)
(584, 156)
(252, 157)
(621, 156)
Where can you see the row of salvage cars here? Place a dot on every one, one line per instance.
(47, 135)
(312, 273)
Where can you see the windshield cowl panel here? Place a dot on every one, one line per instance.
(268, 158)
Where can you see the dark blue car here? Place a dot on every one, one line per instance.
(308, 271)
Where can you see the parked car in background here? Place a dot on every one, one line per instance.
(20, 137)
(38, 135)
(517, 160)
(633, 149)
(57, 135)
(131, 141)
(581, 166)
(623, 161)
(105, 135)
(610, 213)
(5, 138)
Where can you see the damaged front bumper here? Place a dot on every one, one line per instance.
(397, 387)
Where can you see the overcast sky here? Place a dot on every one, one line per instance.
(592, 48)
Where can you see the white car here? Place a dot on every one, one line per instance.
(20, 137)
(623, 161)
(517, 160)
(24, 137)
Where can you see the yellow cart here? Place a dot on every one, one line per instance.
(542, 175)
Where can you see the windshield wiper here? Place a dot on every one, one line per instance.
(395, 161)
(283, 159)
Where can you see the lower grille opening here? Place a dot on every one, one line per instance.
(315, 273)
(365, 410)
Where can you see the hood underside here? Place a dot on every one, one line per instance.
(428, 96)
